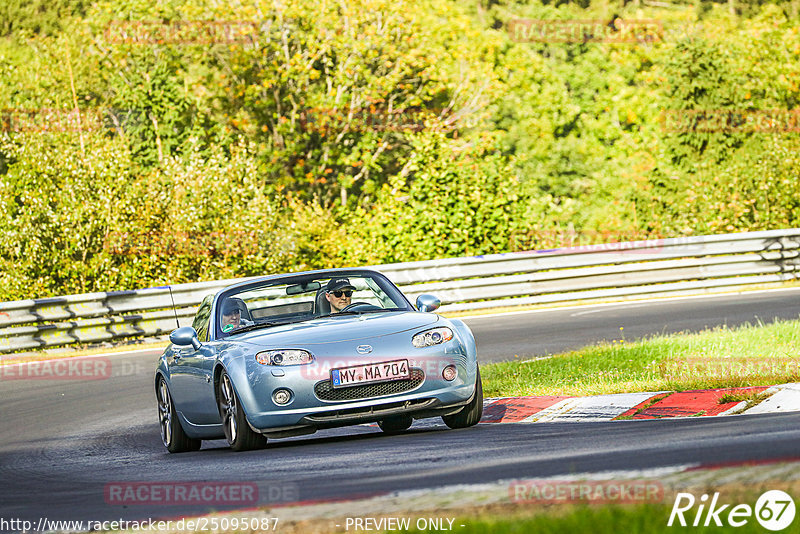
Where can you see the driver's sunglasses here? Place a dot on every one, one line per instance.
(338, 294)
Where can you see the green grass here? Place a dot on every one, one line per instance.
(745, 356)
(740, 397)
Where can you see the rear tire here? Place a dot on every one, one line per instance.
(172, 435)
(470, 414)
(393, 425)
(237, 431)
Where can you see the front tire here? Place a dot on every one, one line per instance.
(238, 433)
(172, 435)
(471, 413)
(392, 425)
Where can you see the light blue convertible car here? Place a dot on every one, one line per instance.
(286, 355)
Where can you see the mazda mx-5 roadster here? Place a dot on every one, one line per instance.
(286, 355)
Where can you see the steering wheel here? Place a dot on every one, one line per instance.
(352, 305)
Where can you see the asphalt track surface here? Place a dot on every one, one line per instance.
(62, 442)
(561, 329)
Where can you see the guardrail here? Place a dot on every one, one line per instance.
(629, 269)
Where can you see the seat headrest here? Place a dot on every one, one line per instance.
(322, 306)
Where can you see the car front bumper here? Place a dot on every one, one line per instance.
(316, 403)
(416, 406)
(419, 403)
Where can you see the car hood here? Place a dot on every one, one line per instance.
(336, 329)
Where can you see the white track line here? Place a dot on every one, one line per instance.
(629, 302)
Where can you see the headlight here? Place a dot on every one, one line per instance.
(284, 357)
(432, 337)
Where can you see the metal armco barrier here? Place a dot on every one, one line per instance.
(630, 269)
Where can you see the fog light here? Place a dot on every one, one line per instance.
(449, 373)
(281, 396)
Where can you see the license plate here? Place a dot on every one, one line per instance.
(369, 373)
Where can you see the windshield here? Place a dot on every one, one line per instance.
(306, 297)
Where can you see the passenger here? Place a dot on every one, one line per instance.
(232, 315)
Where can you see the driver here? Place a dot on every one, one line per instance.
(339, 292)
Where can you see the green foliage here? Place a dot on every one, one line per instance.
(320, 135)
(85, 221)
(731, 167)
(56, 208)
(701, 78)
(38, 16)
(202, 216)
(467, 203)
(759, 187)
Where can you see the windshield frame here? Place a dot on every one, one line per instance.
(386, 285)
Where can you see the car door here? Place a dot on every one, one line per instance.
(192, 383)
(191, 372)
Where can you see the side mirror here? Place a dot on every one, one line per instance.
(185, 336)
(428, 303)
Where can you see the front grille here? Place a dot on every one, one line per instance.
(325, 391)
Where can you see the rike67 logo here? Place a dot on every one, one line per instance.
(774, 510)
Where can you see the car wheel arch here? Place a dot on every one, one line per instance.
(255, 440)
(218, 368)
(233, 372)
(159, 375)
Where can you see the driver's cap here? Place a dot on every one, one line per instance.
(336, 284)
